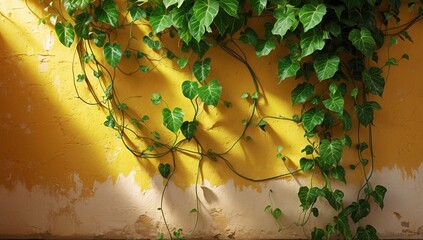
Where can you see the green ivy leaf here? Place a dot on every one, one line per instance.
(249, 36)
(190, 89)
(334, 198)
(65, 33)
(164, 170)
(156, 98)
(277, 213)
(99, 38)
(336, 101)
(182, 62)
(263, 48)
(205, 11)
(137, 13)
(72, 5)
(308, 196)
(311, 15)
(306, 164)
(160, 20)
(230, 7)
(189, 129)
(368, 233)
(110, 122)
(378, 195)
(374, 81)
(82, 23)
(365, 112)
(363, 40)
(331, 151)
(360, 210)
(153, 44)
(210, 94)
(285, 20)
(196, 29)
(312, 118)
(172, 120)
(112, 53)
(338, 173)
(311, 41)
(287, 68)
(201, 69)
(342, 225)
(258, 5)
(302, 93)
(108, 13)
(317, 234)
(326, 66)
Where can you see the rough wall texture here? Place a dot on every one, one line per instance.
(63, 175)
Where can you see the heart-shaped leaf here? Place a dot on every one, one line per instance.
(160, 20)
(230, 7)
(287, 68)
(374, 81)
(189, 129)
(172, 120)
(311, 15)
(311, 41)
(205, 11)
(258, 5)
(112, 53)
(363, 40)
(190, 89)
(164, 170)
(301, 93)
(312, 118)
(65, 33)
(108, 12)
(210, 94)
(326, 66)
(331, 151)
(201, 69)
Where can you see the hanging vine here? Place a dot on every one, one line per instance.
(331, 48)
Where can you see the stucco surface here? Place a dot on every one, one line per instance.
(63, 174)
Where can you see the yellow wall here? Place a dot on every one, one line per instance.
(63, 173)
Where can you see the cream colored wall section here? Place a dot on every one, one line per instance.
(122, 210)
(63, 174)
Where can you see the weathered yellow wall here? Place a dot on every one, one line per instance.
(63, 173)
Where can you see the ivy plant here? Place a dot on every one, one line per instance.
(331, 48)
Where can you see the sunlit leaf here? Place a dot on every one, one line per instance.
(263, 48)
(210, 94)
(326, 66)
(201, 69)
(287, 68)
(65, 33)
(312, 118)
(311, 15)
(190, 89)
(108, 12)
(311, 41)
(137, 13)
(160, 20)
(196, 29)
(112, 53)
(285, 20)
(172, 120)
(331, 151)
(205, 11)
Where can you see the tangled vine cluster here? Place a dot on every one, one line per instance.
(331, 48)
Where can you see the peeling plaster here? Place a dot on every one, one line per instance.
(123, 210)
